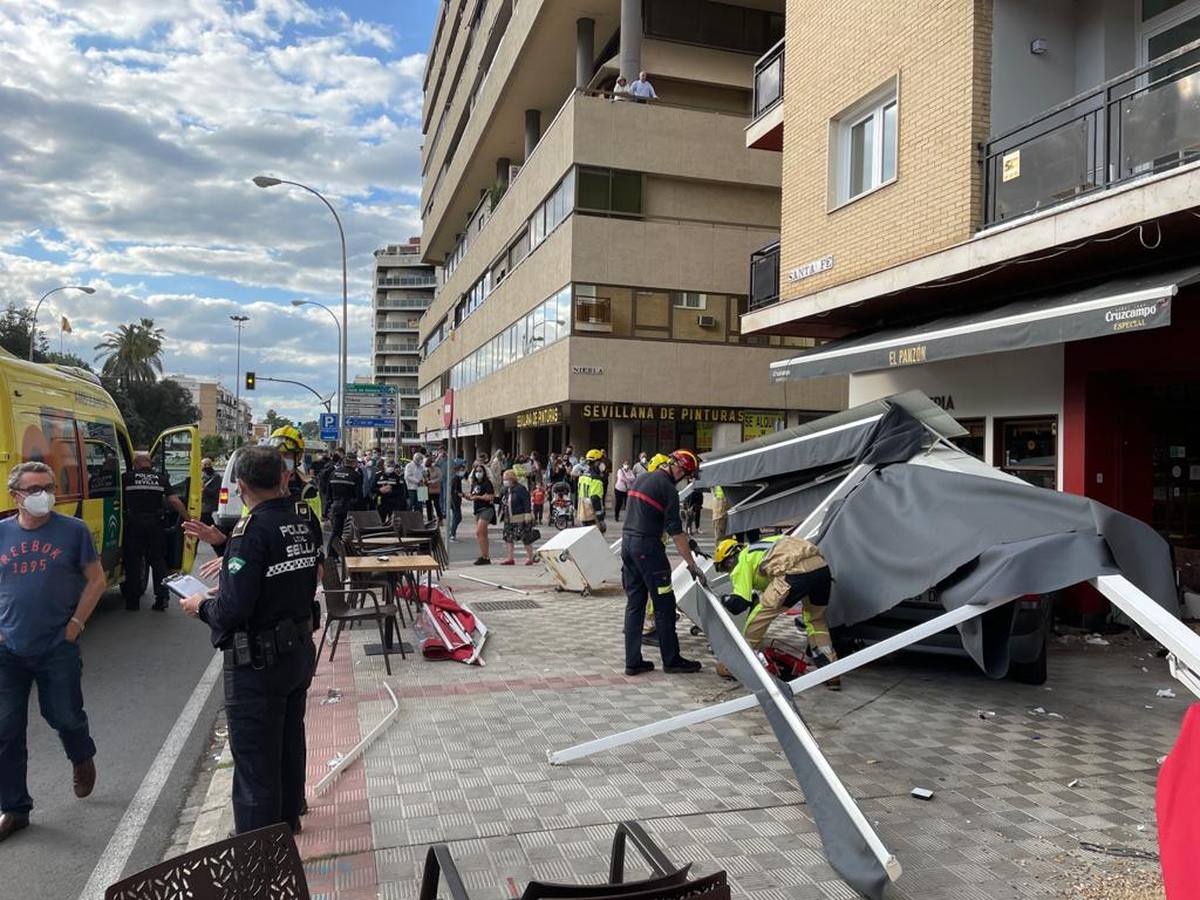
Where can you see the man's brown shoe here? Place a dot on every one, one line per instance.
(85, 778)
(11, 823)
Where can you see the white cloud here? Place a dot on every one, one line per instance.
(131, 132)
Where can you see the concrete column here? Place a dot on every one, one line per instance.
(622, 444)
(525, 442)
(585, 51)
(502, 165)
(533, 129)
(631, 39)
(726, 434)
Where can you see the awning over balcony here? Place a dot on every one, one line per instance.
(1115, 307)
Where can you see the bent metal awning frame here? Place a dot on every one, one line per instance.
(1116, 307)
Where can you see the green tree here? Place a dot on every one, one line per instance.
(133, 353)
(275, 420)
(15, 325)
(151, 407)
(311, 430)
(65, 359)
(213, 445)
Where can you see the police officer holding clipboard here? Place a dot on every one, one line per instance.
(261, 616)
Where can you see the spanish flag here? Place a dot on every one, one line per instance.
(66, 325)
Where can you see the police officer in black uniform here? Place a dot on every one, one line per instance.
(345, 491)
(262, 618)
(389, 490)
(145, 491)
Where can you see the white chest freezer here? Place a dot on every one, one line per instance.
(580, 559)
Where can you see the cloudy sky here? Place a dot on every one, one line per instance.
(131, 131)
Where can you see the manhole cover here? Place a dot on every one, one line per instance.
(503, 605)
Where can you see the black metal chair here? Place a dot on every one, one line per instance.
(262, 863)
(346, 604)
(666, 882)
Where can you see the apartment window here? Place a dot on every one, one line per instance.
(689, 300)
(605, 190)
(863, 139)
(713, 24)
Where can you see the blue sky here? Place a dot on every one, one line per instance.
(132, 130)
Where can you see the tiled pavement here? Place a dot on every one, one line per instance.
(465, 762)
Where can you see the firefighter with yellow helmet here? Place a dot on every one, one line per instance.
(591, 492)
(290, 443)
(782, 570)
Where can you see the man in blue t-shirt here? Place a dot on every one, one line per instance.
(50, 582)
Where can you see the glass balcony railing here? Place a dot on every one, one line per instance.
(1141, 123)
(768, 80)
(764, 276)
(424, 281)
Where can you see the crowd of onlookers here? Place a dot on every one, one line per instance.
(518, 492)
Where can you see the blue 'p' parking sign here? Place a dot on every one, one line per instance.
(329, 426)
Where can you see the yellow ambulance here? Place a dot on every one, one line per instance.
(60, 415)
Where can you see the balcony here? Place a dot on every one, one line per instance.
(389, 324)
(396, 346)
(1142, 123)
(764, 276)
(406, 281)
(765, 132)
(421, 303)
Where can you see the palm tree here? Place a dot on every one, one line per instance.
(132, 353)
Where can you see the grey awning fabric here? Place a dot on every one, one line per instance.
(1115, 307)
(821, 443)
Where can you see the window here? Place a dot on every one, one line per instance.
(605, 190)
(1028, 449)
(864, 146)
(689, 300)
(102, 459)
(713, 24)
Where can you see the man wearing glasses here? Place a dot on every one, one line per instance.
(50, 582)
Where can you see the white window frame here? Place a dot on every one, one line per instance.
(685, 297)
(841, 126)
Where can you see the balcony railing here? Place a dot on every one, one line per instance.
(1141, 123)
(396, 347)
(768, 80)
(426, 281)
(764, 276)
(406, 303)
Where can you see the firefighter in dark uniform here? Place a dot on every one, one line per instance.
(345, 491)
(652, 508)
(262, 618)
(389, 489)
(145, 492)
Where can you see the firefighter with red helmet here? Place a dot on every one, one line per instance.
(653, 507)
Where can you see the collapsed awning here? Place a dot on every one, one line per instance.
(1115, 307)
(826, 442)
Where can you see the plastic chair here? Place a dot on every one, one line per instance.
(346, 604)
(262, 863)
(666, 882)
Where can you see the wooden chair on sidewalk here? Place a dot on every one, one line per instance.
(346, 604)
(666, 881)
(262, 863)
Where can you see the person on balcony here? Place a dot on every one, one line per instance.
(642, 89)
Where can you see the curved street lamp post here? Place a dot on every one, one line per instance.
(266, 181)
(33, 322)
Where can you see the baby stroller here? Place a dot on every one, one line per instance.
(562, 510)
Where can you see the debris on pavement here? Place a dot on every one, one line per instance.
(922, 793)
(986, 714)
(1073, 782)
(1165, 692)
(335, 761)
(333, 695)
(1095, 640)
(1110, 850)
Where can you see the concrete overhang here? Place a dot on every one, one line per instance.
(766, 132)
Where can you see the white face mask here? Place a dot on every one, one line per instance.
(291, 464)
(39, 504)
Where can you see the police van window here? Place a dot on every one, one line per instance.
(101, 458)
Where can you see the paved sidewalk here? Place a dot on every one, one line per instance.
(465, 762)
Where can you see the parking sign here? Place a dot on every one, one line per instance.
(329, 426)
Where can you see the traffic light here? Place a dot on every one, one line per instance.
(249, 381)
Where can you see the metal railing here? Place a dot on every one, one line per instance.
(421, 303)
(1141, 123)
(764, 276)
(424, 281)
(768, 79)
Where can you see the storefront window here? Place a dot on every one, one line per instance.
(974, 440)
(1029, 449)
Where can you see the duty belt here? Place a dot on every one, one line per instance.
(267, 646)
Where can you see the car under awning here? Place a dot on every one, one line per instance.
(1111, 308)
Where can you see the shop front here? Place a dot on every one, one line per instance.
(628, 429)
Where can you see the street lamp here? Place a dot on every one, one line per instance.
(530, 340)
(33, 322)
(240, 323)
(266, 181)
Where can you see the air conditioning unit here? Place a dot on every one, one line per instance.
(513, 172)
(706, 321)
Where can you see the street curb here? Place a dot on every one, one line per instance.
(215, 821)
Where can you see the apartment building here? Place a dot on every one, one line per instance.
(403, 290)
(221, 413)
(592, 246)
(994, 201)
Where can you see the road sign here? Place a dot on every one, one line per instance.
(329, 426)
(370, 406)
(448, 407)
